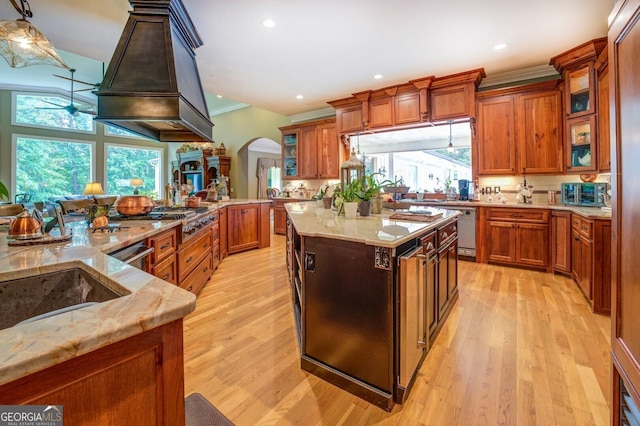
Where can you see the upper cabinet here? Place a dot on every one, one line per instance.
(581, 106)
(312, 150)
(413, 104)
(519, 130)
(603, 115)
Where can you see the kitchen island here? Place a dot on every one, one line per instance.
(119, 361)
(369, 295)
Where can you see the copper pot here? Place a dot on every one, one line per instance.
(134, 205)
(192, 201)
(25, 227)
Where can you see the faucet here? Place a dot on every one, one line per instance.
(525, 192)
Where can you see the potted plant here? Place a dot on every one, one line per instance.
(374, 189)
(347, 199)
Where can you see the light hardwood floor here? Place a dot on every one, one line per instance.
(519, 348)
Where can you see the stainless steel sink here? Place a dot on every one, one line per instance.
(41, 296)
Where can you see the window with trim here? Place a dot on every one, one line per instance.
(51, 111)
(48, 167)
(126, 162)
(115, 131)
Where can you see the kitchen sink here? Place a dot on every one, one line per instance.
(40, 296)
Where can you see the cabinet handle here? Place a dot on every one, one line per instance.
(584, 228)
(444, 235)
(516, 215)
(422, 343)
(189, 259)
(430, 246)
(166, 277)
(577, 238)
(206, 268)
(190, 288)
(454, 229)
(164, 246)
(243, 211)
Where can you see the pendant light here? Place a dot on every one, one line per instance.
(22, 45)
(450, 148)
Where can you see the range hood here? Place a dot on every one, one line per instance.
(152, 86)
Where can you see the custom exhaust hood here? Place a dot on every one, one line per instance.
(152, 85)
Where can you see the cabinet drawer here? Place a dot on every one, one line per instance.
(166, 270)
(429, 243)
(447, 233)
(519, 215)
(189, 257)
(215, 232)
(199, 276)
(582, 225)
(163, 245)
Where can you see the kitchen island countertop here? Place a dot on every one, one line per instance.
(152, 302)
(377, 229)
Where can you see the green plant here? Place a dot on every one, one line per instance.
(372, 187)
(4, 192)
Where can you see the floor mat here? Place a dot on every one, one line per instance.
(200, 412)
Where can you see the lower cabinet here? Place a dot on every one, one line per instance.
(248, 226)
(98, 387)
(561, 241)
(163, 259)
(223, 226)
(447, 276)
(518, 236)
(591, 260)
(280, 214)
(195, 261)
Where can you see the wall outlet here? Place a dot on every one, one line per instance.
(232, 190)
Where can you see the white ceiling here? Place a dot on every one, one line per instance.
(324, 50)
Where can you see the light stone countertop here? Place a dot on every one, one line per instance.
(151, 302)
(376, 229)
(589, 212)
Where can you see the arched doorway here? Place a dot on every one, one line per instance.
(248, 155)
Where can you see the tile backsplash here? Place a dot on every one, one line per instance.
(541, 184)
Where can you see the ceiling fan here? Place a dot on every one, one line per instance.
(72, 108)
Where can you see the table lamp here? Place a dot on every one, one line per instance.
(93, 188)
(136, 182)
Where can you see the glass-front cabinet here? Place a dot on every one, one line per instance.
(580, 91)
(581, 143)
(290, 155)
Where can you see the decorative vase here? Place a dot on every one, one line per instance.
(350, 209)
(376, 204)
(364, 208)
(326, 202)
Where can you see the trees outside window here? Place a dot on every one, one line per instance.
(42, 110)
(125, 162)
(51, 167)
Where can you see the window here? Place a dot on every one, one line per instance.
(51, 167)
(51, 111)
(115, 131)
(125, 162)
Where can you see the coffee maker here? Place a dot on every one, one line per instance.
(463, 189)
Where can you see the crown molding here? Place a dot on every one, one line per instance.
(531, 73)
(226, 109)
(312, 115)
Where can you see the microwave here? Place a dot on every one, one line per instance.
(586, 194)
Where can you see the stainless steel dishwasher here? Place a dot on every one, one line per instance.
(466, 230)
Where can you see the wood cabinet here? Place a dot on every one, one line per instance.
(539, 132)
(581, 103)
(195, 264)
(222, 223)
(517, 236)
(92, 387)
(624, 60)
(453, 97)
(447, 286)
(163, 259)
(591, 260)
(603, 115)
(561, 241)
(496, 136)
(248, 226)
(519, 130)
(312, 150)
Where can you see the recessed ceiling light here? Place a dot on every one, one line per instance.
(299, 96)
(499, 46)
(377, 76)
(269, 23)
(220, 96)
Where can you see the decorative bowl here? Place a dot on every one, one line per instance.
(588, 177)
(134, 205)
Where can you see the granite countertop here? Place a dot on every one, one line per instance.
(590, 212)
(151, 302)
(377, 230)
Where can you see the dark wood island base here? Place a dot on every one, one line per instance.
(366, 314)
